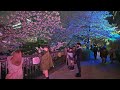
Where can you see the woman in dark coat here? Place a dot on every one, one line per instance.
(104, 54)
(46, 62)
(112, 55)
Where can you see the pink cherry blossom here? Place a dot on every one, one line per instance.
(37, 27)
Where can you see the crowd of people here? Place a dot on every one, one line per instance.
(73, 56)
(15, 62)
(113, 53)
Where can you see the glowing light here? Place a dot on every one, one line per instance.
(94, 23)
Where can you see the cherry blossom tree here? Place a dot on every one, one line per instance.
(91, 24)
(24, 26)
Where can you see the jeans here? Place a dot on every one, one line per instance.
(78, 66)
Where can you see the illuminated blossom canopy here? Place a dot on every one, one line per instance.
(24, 26)
(93, 24)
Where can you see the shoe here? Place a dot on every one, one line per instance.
(78, 75)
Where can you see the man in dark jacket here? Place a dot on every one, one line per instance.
(95, 50)
(78, 55)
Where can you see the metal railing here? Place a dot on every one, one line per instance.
(30, 70)
(3, 68)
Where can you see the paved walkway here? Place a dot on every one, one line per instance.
(91, 69)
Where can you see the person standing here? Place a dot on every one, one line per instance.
(78, 55)
(67, 62)
(104, 54)
(112, 55)
(74, 50)
(95, 50)
(15, 63)
(70, 59)
(100, 50)
(65, 52)
(39, 51)
(117, 53)
(46, 62)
